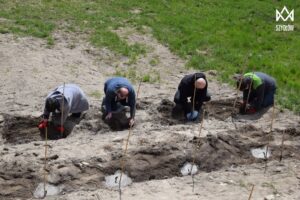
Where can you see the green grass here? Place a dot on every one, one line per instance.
(135, 76)
(96, 94)
(210, 34)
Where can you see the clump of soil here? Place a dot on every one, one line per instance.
(119, 121)
(162, 113)
(221, 109)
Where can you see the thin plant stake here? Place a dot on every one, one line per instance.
(266, 157)
(123, 162)
(62, 112)
(273, 113)
(138, 91)
(281, 147)
(125, 151)
(238, 89)
(251, 192)
(45, 163)
(193, 107)
(194, 157)
(250, 87)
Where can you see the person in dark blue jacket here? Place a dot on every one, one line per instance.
(259, 89)
(118, 93)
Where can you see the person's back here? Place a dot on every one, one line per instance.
(268, 80)
(62, 101)
(75, 98)
(113, 84)
(187, 85)
(258, 91)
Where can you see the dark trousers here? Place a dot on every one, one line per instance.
(269, 98)
(188, 107)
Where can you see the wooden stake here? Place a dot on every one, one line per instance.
(249, 91)
(123, 162)
(281, 147)
(200, 129)
(266, 157)
(273, 113)
(193, 108)
(238, 89)
(126, 147)
(251, 192)
(138, 91)
(45, 163)
(62, 112)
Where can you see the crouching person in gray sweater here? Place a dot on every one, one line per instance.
(61, 102)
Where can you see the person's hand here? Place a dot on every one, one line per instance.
(250, 110)
(241, 103)
(43, 124)
(131, 122)
(60, 129)
(243, 107)
(108, 116)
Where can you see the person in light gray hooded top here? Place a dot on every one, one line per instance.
(75, 102)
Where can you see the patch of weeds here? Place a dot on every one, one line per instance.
(35, 70)
(154, 61)
(7, 71)
(242, 184)
(151, 77)
(271, 186)
(71, 46)
(119, 72)
(132, 60)
(134, 76)
(96, 93)
(155, 76)
(135, 51)
(146, 78)
(129, 73)
(115, 43)
(73, 69)
(50, 41)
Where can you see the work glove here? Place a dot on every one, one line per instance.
(191, 116)
(43, 124)
(60, 129)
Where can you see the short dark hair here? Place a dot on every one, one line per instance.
(52, 104)
(245, 82)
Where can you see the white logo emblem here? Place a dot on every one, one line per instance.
(279, 15)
